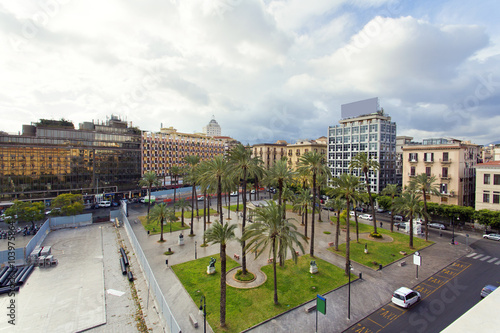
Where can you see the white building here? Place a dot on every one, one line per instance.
(364, 128)
(212, 129)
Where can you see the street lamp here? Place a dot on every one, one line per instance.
(453, 231)
(203, 309)
(349, 293)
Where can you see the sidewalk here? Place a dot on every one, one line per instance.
(367, 295)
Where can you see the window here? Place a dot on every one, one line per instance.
(445, 173)
(496, 179)
(428, 171)
(413, 157)
(486, 180)
(444, 188)
(496, 197)
(486, 196)
(428, 157)
(412, 171)
(445, 157)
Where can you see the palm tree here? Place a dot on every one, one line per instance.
(392, 190)
(159, 214)
(288, 196)
(213, 175)
(243, 166)
(409, 205)
(279, 175)
(426, 185)
(338, 204)
(314, 164)
(347, 188)
(271, 231)
(302, 201)
(221, 234)
(175, 172)
(361, 161)
(192, 162)
(149, 179)
(183, 204)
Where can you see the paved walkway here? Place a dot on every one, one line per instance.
(367, 294)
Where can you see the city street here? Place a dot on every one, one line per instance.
(445, 296)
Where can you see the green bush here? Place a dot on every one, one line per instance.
(375, 234)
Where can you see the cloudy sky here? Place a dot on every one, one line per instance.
(266, 69)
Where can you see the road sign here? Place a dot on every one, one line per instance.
(321, 304)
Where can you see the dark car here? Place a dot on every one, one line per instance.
(488, 289)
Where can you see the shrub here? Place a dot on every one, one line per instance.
(375, 234)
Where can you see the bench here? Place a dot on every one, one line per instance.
(270, 260)
(237, 256)
(310, 308)
(193, 320)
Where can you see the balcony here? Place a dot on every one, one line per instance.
(429, 161)
(412, 175)
(447, 161)
(445, 177)
(412, 160)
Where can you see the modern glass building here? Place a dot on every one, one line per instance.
(364, 127)
(52, 157)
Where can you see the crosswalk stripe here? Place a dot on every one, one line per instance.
(491, 260)
(484, 258)
(498, 262)
(471, 255)
(478, 256)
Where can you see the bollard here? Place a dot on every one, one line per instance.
(360, 276)
(166, 262)
(380, 267)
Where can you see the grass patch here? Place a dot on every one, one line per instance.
(154, 228)
(327, 232)
(380, 252)
(295, 286)
(187, 214)
(249, 276)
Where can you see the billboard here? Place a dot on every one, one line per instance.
(356, 109)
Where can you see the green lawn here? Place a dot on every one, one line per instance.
(248, 307)
(154, 228)
(187, 213)
(379, 252)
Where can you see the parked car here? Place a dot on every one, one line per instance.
(252, 192)
(352, 213)
(105, 203)
(359, 209)
(488, 289)
(398, 218)
(380, 210)
(492, 236)
(201, 198)
(234, 194)
(366, 217)
(405, 297)
(437, 225)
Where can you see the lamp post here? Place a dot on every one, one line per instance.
(349, 293)
(453, 231)
(203, 309)
(195, 250)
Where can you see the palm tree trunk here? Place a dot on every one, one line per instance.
(368, 187)
(229, 206)
(182, 217)
(196, 200)
(274, 273)
(149, 201)
(161, 230)
(243, 225)
(238, 201)
(425, 218)
(392, 214)
(347, 245)
(337, 232)
(311, 251)
(411, 231)
(305, 229)
(219, 199)
(319, 205)
(193, 195)
(357, 227)
(204, 215)
(223, 285)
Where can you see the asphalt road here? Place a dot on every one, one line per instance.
(445, 296)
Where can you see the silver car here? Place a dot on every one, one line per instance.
(437, 225)
(492, 236)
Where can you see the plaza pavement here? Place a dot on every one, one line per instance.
(367, 294)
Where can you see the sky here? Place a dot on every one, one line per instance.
(267, 70)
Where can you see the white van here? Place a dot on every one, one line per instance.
(105, 204)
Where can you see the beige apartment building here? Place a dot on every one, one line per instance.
(269, 153)
(161, 151)
(451, 161)
(488, 186)
(296, 150)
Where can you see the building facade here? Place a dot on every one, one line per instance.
(364, 128)
(52, 157)
(212, 129)
(400, 142)
(451, 161)
(269, 153)
(295, 150)
(161, 151)
(488, 186)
